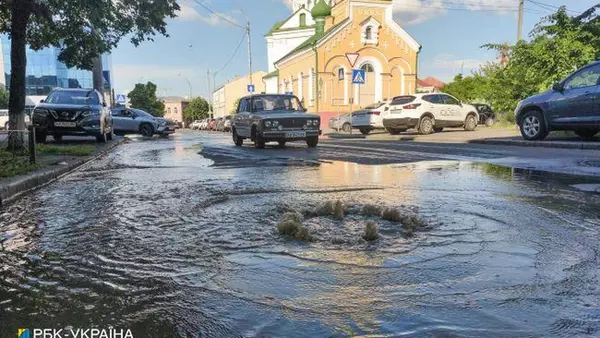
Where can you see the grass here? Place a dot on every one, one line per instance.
(291, 225)
(371, 233)
(13, 166)
(65, 150)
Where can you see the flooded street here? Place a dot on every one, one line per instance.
(177, 238)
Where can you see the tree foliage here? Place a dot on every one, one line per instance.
(196, 110)
(143, 97)
(558, 45)
(236, 104)
(3, 98)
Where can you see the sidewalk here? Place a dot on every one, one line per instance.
(54, 161)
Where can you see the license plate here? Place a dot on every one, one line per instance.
(295, 134)
(65, 124)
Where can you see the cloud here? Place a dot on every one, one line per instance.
(127, 75)
(411, 12)
(189, 13)
(446, 66)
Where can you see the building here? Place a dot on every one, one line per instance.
(45, 72)
(174, 106)
(308, 54)
(226, 96)
(429, 85)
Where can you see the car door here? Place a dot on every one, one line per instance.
(434, 105)
(241, 120)
(575, 104)
(124, 121)
(452, 110)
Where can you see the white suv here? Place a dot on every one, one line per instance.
(429, 113)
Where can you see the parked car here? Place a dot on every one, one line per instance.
(211, 124)
(195, 125)
(137, 121)
(227, 124)
(274, 118)
(341, 122)
(369, 118)
(170, 126)
(487, 116)
(203, 124)
(571, 104)
(219, 124)
(429, 113)
(4, 118)
(78, 112)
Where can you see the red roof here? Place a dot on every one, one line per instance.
(430, 82)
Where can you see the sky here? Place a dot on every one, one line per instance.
(450, 31)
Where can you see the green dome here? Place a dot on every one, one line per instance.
(321, 10)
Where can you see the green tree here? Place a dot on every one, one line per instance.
(3, 99)
(81, 29)
(143, 97)
(235, 107)
(196, 110)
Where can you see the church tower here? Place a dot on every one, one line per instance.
(308, 4)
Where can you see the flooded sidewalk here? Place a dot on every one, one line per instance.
(177, 238)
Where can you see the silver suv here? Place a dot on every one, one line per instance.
(136, 121)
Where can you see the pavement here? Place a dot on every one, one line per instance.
(181, 237)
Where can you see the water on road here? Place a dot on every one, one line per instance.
(178, 238)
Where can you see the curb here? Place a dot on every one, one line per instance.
(345, 136)
(40, 178)
(540, 144)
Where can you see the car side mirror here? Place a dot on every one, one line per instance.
(557, 87)
(42, 101)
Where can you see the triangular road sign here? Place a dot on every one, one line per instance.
(352, 57)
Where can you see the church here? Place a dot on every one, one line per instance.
(313, 52)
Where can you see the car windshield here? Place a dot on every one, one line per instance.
(276, 102)
(72, 97)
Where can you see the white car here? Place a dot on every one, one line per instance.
(195, 125)
(370, 117)
(204, 124)
(4, 119)
(429, 113)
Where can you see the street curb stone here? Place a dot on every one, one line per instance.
(37, 179)
(541, 144)
(345, 136)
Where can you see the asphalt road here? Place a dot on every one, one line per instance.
(178, 237)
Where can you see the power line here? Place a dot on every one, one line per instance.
(550, 7)
(219, 15)
(237, 49)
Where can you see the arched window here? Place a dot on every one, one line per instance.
(369, 33)
(302, 20)
(368, 68)
(169, 110)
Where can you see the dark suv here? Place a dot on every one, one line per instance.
(572, 104)
(78, 112)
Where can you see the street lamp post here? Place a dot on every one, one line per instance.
(189, 84)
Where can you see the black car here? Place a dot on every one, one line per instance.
(274, 118)
(77, 112)
(572, 104)
(487, 115)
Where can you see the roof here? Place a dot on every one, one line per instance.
(312, 40)
(277, 26)
(272, 74)
(430, 82)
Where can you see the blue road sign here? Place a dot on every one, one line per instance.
(121, 99)
(358, 76)
(251, 88)
(341, 74)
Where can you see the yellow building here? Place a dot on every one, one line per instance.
(319, 71)
(225, 97)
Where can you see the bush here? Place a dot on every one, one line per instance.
(371, 233)
(371, 210)
(291, 225)
(392, 215)
(338, 210)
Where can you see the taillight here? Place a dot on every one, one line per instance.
(375, 113)
(412, 106)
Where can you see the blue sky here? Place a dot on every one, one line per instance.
(450, 31)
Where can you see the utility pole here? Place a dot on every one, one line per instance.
(249, 53)
(520, 23)
(210, 94)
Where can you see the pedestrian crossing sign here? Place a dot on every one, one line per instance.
(121, 99)
(358, 76)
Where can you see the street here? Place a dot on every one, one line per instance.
(177, 237)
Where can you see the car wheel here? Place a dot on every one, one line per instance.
(532, 126)
(57, 138)
(259, 141)
(282, 143)
(40, 137)
(365, 131)
(490, 122)
(347, 127)
(425, 125)
(438, 129)
(101, 138)
(238, 141)
(470, 123)
(146, 130)
(586, 134)
(312, 141)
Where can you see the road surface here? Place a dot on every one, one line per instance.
(178, 238)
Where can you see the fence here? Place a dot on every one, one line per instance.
(19, 143)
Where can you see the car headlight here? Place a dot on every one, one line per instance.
(275, 124)
(315, 123)
(268, 124)
(40, 111)
(280, 128)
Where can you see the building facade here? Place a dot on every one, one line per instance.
(225, 97)
(319, 70)
(45, 72)
(174, 106)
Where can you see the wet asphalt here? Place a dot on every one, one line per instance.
(177, 238)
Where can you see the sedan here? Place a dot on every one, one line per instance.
(341, 122)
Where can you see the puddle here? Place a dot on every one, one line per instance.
(168, 243)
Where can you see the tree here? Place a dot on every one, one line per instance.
(3, 99)
(236, 104)
(143, 97)
(81, 29)
(196, 110)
